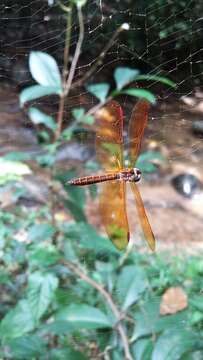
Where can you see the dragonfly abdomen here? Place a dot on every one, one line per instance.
(87, 180)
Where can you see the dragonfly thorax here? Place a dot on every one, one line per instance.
(132, 175)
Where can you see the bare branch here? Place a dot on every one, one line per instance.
(77, 52)
(67, 84)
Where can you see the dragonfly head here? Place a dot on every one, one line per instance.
(136, 175)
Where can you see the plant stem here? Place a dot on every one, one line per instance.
(118, 315)
(67, 45)
(67, 83)
(77, 52)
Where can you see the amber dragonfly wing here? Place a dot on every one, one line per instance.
(146, 227)
(137, 125)
(109, 150)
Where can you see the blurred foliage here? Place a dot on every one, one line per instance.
(47, 313)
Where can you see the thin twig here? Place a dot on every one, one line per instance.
(67, 84)
(118, 315)
(67, 45)
(77, 52)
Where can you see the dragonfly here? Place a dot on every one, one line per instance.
(109, 144)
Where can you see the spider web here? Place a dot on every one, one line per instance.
(162, 38)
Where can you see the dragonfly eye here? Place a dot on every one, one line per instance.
(137, 174)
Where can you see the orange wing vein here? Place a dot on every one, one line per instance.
(149, 236)
(137, 125)
(109, 149)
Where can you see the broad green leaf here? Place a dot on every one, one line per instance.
(88, 238)
(173, 344)
(78, 113)
(42, 255)
(41, 232)
(38, 117)
(123, 76)
(75, 210)
(27, 347)
(142, 349)
(17, 322)
(41, 289)
(67, 133)
(131, 283)
(58, 327)
(156, 78)
(140, 93)
(197, 301)
(44, 69)
(100, 91)
(37, 91)
(145, 161)
(149, 321)
(84, 317)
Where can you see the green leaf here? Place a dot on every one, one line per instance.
(197, 301)
(38, 117)
(84, 317)
(79, 115)
(27, 347)
(43, 255)
(44, 69)
(123, 76)
(131, 283)
(140, 93)
(41, 289)
(156, 78)
(58, 327)
(17, 322)
(145, 161)
(41, 232)
(75, 210)
(142, 349)
(37, 91)
(88, 237)
(149, 321)
(173, 344)
(100, 91)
